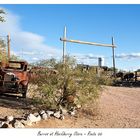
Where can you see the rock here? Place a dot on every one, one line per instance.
(44, 116)
(57, 114)
(9, 118)
(62, 117)
(32, 118)
(6, 125)
(38, 118)
(78, 106)
(18, 124)
(72, 109)
(64, 111)
(1, 124)
(36, 114)
(72, 113)
(50, 113)
(42, 112)
(26, 122)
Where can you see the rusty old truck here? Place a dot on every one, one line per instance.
(14, 77)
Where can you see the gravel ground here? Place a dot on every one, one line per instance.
(118, 107)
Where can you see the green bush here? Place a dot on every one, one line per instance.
(66, 86)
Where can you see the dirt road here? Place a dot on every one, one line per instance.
(118, 107)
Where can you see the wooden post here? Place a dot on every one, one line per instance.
(136, 76)
(64, 45)
(88, 43)
(64, 62)
(113, 58)
(8, 44)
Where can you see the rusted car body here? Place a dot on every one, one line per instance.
(14, 77)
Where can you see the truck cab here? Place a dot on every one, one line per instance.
(14, 77)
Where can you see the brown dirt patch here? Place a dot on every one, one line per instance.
(118, 107)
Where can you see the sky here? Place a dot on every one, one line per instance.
(35, 32)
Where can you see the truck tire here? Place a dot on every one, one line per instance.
(24, 91)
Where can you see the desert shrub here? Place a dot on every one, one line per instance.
(105, 80)
(67, 85)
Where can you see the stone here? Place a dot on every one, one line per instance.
(72, 109)
(18, 124)
(62, 117)
(44, 116)
(78, 106)
(42, 112)
(72, 113)
(57, 114)
(9, 118)
(32, 118)
(64, 111)
(38, 118)
(6, 125)
(1, 123)
(26, 122)
(36, 114)
(50, 113)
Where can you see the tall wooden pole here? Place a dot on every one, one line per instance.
(64, 45)
(8, 44)
(113, 58)
(64, 62)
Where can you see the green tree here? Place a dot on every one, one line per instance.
(46, 63)
(2, 42)
(2, 50)
(14, 57)
(1, 17)
(66, 87)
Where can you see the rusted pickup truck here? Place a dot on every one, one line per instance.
(14, 77)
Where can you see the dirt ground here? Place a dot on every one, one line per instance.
(118, 107)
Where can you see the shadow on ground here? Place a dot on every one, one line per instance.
(15, 101)
(127, 83)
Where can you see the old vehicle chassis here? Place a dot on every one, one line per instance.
(14, 77)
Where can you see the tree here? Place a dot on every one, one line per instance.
(2, 42)
(2, 50)
(46, 63)
(1, 17)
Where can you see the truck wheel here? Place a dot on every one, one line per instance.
(23, 90)
(24, 95)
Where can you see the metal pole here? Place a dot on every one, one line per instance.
(64, 45)
(113, 58)
(88, 43)
(8, 44)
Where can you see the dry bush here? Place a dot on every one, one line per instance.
(66, 86)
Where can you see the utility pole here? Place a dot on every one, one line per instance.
(113, 52)
(8, 44)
